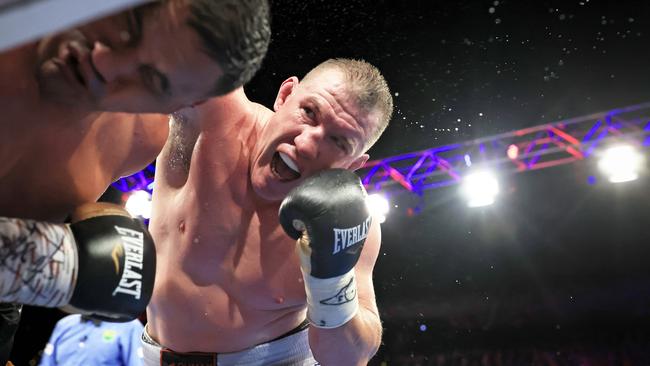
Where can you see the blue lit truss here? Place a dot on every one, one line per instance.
(531, 148)
(142, 180)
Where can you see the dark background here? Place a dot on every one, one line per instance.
(557, 268)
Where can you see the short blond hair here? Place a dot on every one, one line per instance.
(367, 84)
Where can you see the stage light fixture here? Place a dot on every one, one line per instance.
(480, 188)
(621, 163)
(139, 204)
(378, 206)
(512, 152)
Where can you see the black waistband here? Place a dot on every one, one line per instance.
(169, 357)
(299, 328)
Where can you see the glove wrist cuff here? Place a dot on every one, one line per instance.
(331, 302)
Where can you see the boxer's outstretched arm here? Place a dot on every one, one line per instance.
(357, 341)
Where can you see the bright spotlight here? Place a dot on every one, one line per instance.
(480, 188)
(139, 204)
(621, 163)
(512, 152)
(378, 206)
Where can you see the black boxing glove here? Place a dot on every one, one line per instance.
(103, 264)
(328, 215)
(116, 264)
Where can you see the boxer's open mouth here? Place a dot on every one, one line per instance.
(283, 167)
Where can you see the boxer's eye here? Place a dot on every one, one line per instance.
(340, 143)
(154, 80)
(309, 113)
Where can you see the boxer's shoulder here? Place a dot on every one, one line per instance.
(230, 112)
(129, 142)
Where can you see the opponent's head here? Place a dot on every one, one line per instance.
(328, 120)
(158, 57)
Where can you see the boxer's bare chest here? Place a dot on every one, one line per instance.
(215, 239)
(220, 231)
(239, 249)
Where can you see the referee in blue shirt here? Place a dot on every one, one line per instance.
(77, 340)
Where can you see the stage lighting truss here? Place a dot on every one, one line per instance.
(527, 149)
(140, 181)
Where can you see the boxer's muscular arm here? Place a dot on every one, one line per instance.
(338, 244)
(146, 139)
(355, 342)
(124, 143)
(223, 121)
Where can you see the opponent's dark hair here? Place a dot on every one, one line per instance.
(236, 34)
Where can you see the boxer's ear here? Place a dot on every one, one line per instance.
(286, 89)
(358, 162)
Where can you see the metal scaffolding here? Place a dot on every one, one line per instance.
(532, 148)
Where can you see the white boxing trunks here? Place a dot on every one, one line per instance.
(289, 350)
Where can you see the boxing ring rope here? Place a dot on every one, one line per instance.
(532, 148)
(23, 21)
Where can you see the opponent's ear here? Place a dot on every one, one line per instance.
(286, 89)
(358, 162)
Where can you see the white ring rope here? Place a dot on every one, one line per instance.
(22, 21)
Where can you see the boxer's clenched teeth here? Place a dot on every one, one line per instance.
(284, 167)
(287, 160)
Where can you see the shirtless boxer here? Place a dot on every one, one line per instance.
(63, 140)
(228, 280)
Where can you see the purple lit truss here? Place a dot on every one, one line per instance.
(530, 148)
(142, 180)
